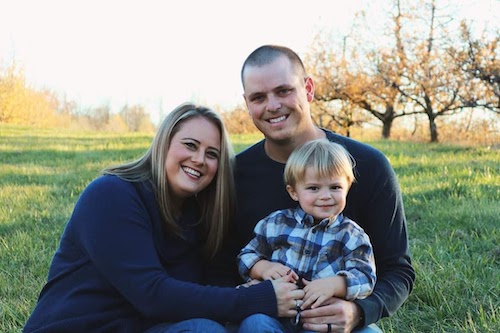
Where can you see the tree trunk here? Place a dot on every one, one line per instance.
(433, 129)
(386, 129)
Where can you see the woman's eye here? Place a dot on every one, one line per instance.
(213, 154)
(190, 145)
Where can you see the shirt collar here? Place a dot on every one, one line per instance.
(303, 218)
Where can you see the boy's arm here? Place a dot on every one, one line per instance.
(256, 250)
(359, 264)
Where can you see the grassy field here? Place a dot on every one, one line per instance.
(451, 195)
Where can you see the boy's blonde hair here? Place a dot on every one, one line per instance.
(326, 157)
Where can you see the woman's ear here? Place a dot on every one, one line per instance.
(292, 193)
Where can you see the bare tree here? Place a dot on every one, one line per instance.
(238, 121)
(333, 107)
(477, 59)
(367, 79)
(134, 116)
(431, 81)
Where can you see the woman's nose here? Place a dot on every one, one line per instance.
(198, 157)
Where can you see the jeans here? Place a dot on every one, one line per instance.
(198, 325)
(261, 323)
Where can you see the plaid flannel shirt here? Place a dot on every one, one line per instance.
(313, 250)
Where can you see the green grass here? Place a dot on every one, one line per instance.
(451, 199)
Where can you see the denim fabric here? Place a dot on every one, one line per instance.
(198, 325)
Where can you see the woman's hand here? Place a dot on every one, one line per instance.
(287, 293)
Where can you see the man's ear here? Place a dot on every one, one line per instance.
(309, 85)
(292, 193)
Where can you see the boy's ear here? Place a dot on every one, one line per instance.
(292, 193)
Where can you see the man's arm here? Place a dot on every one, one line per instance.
(388, 234)
(376, 204)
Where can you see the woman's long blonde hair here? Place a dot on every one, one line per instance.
(217, 200)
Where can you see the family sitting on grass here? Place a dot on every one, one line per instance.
(151, 245)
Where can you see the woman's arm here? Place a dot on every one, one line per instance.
(114, 229)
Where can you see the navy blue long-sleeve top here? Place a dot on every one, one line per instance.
(116, 270)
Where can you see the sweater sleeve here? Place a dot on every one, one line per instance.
(381, 215)
(113, 228)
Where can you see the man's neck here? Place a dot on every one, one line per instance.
(279, 151)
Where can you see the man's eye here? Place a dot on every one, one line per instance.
(257, 98)
(285, 91)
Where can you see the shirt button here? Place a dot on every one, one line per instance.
(307, 251)
(314, 231)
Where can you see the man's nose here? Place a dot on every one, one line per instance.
(273, 104)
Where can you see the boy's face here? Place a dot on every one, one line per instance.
(321, 197)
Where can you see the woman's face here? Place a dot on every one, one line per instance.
(193, 157)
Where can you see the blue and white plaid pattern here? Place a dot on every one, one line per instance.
(312, 250)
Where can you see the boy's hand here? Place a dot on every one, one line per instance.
(318, 291)
(267, 270)
(248, 284)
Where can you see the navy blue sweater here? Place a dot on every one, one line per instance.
(116, 270)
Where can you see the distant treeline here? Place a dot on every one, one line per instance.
(23, 105)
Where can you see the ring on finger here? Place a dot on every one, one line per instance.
(328, 328)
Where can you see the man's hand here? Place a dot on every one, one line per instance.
(343, 316)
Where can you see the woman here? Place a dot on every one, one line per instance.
(131, 256)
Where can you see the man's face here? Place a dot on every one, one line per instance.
(277, 97)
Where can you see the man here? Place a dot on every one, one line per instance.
(278, 94)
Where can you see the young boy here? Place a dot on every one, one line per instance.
(323, 250)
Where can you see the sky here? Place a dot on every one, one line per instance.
(162, 53)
